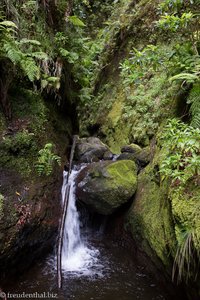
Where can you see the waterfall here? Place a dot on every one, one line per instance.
(77, 255)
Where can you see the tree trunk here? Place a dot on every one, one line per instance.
(5, 103)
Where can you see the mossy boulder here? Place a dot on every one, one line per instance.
(105, 186)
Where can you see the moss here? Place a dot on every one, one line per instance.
(30, 106)
(115, 131)
(124, 173)
(105, 186)
(150, 219)
(186, 211)
(116, 111)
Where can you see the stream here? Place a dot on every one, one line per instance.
(113, 275)
(93, 266)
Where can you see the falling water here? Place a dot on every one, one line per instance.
(77, 256)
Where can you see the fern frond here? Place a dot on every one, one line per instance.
(14, 54)
(31, 70)
(39, 55)
(185, 76)
(30, 42)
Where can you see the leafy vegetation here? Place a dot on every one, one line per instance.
(20, 143)
(47, 160)
(182, 163)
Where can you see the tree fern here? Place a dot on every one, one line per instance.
(194, 100)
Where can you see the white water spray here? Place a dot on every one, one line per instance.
(77, 256)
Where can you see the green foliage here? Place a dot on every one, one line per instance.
(24, 43)
(179, 61)
(17, 152)
(139, 63)
(76, 21)
(180, 17)
(182, 163)
(143, 108)
(194, 100)
(18, 144)
(29, 105)
(169, 5)
(175, 23)
(47, 160)
(12, 49)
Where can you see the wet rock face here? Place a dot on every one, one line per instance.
(105, 186)
(28, 221)
(91, 150)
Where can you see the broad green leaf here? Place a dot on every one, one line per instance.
(76, 21)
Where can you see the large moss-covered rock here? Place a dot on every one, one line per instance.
(105, 186)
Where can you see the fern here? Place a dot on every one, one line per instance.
(47, 160)
(194, 100)
(30, 42)
(31, 70)
(12, 52)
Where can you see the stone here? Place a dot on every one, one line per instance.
(106, 186)
(90, 150)
(132, 148)
(108, 155)
(134, 152)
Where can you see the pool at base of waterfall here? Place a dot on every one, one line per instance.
(112, 274)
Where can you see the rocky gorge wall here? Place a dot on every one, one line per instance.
(29, 202)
